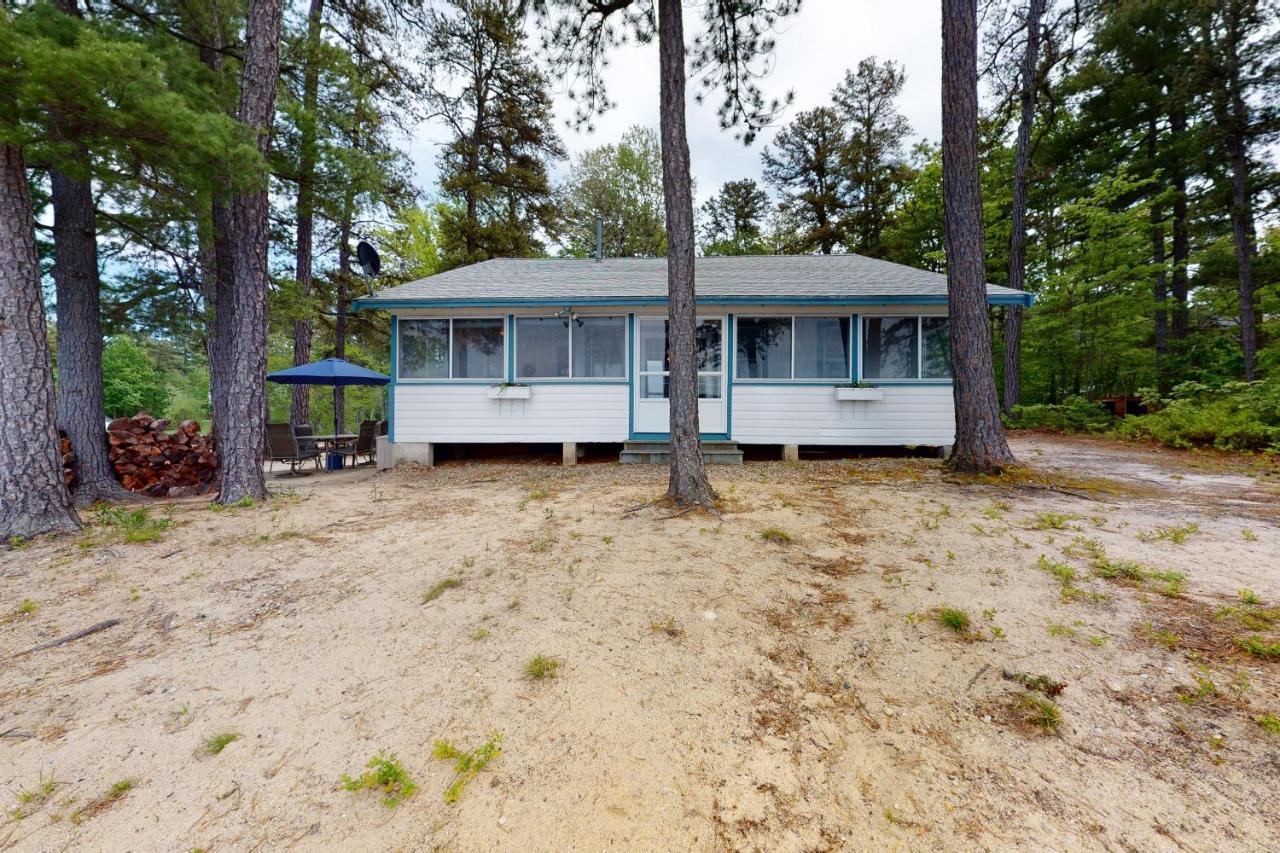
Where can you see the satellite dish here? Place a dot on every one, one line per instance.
(370, 263)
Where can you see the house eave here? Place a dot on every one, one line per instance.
(374, 304)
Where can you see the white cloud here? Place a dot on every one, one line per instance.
(814, 49)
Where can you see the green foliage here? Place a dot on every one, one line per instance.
(131, 525)
(131, 383)
(621, 183)
(1038, 711)
(1074, 414)
(1177, 534)
(467, 765)
(1259, 647)
(26, 607)
(1269, 722)
(1232, 416)
(214, 744)
(541, 666)
(776, 535)
(956, 620)
(386, 776)
(438, 588)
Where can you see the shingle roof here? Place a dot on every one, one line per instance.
(770, 277)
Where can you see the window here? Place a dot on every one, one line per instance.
(822, 348)
(654, 377)
(542, 347)
(764, 348)
(581, 348)
(935, 363)
(424, 349)
(892, 348)
(793, 348)
(600, 348)
(452, 349)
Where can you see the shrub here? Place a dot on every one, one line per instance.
(1074, 414)
(1233, 416)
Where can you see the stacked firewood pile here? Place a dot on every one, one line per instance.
(68, 459)
(158, 463)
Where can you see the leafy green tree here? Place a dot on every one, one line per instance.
(622, 184)
(131, 382)
(733, 220)
(409, 246)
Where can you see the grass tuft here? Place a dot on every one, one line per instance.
(1258, 647)
(1177, 534)
(438, 588)
(214, 744)
(776, 535)
(953, 618)
(131, 525)
(1269, 722)
(1038, 711)
(541, 666)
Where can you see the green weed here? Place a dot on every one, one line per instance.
(26, 607)
(1052, 521)
(1248, 596)
(953, 618)
(438, 588)
(1177, 534)
(467, 765)
(1040, 683)
(1249, 535)
(103, 801)
(128, 525)
(214, 744)
(1038, 711)
(541, 666)
(31, 799)
(1258, 647)
(775, 535)
(387, 776)
(1269, 722)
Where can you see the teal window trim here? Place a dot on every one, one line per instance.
(855, 347)
(730, 355)
(511, 348)
(391, 386)
(631, 375)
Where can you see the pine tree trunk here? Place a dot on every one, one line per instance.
(1018, 234)
(33, 497)
(980, 443)
(340, 313)
(300, 409)
(81, 414)
(241, 456)
(688, 484)
(1241, 215)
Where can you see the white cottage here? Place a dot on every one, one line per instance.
(793, 350)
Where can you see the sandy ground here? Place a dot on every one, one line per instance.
(715, 690)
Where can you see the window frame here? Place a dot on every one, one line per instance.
(850, 344)
(451, 379)
(919, 378)
(576, 380)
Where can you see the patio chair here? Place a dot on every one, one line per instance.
(364, 445)
(306, 444)
(282, 446)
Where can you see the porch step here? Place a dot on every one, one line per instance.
(659, 452)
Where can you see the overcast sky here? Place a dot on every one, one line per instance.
(814, 49)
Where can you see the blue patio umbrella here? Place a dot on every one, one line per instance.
(329, 371)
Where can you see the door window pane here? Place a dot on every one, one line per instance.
(600, 347)
(764, 348)
(654, 386)
(477, 349)
(424, 349)
(822, 347)
(542, 347)
(707, 335)
(709, 386)
(653, 344)
(891, 348)
(937, 348)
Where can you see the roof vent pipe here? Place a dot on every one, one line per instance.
(599, 238)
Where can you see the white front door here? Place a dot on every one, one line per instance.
(653, 413)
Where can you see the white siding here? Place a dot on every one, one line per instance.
(465, 414)
(811, 414)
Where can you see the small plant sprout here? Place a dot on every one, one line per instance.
(480, 633)
(1249, 535)
(103, 801)
(954, 619)
(1039, 683)
(1052, 521)
(1204, 688)
(27, 607)
(438, 588)
(541, 667)
(1258, 647)
(608, 540)
(1176, 534)
(776, 535)
(386, 776)
(214, 744)
(31, 799)
(135, 525)
(1038, 711)
(1269, 722)
(1247, 596)
(667, 626)
(467, 765)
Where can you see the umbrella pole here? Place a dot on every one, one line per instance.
(335, 421)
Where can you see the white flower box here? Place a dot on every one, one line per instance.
(509, 392)
(859, 393)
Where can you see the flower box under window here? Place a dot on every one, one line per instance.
(509, 392)
(850, 392)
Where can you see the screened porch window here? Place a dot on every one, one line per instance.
(906, 348)
(571, 348)
(793, 348)
(444, 348)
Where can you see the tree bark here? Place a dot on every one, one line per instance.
(241, 456)
(33, 497)
(300, 410)
(980, 443)
(1018, 234)
(1241, 215)
(688, 484)
(340, 309)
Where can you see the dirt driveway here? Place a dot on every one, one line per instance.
(822, 666)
